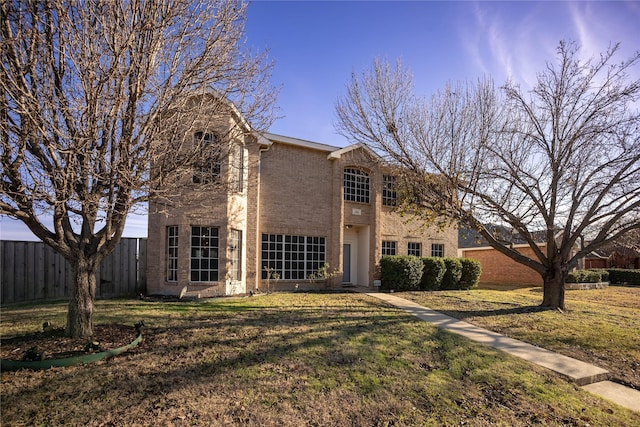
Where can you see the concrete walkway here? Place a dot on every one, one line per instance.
(590, 377)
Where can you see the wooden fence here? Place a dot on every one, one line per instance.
(33, 271)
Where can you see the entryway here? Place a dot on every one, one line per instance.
(355, 256)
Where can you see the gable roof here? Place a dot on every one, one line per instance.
(338, 153)
(334, 152)
(272, 137)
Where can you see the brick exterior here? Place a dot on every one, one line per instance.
(498, 268)
(294, 188)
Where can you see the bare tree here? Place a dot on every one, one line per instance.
(554, 165)
(93, 93)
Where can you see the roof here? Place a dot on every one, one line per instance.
(338, 153)
(299, 142)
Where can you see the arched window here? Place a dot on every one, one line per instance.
(356, 185)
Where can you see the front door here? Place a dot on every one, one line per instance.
(346, 263)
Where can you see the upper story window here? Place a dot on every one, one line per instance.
(356, 185)
(238, 164)
(389, 195)
(208, 168)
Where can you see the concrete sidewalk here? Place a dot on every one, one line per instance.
(590, 377)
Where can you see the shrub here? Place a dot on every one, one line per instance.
(620, 275)
(471, 270)
(401, 272)
(451, 279)
(432, 273)
(584, 276)
(604, 274)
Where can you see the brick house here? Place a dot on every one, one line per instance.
(294, 206)
(499, 269)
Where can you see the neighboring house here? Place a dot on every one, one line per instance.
(613, 257)
(499, 269)
(294, 206)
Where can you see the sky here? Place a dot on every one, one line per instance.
(317, 45)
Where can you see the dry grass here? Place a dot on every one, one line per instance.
(291, 359)
(601, 326)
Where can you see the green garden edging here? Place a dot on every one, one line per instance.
(11, 365)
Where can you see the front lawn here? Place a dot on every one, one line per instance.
(600, 326)
(291, 359)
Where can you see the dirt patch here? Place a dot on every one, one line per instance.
(53, 344)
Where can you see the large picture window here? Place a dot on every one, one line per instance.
(204, 254)
(208, 168)
(292, 257)
(356, 185)
(172, 253)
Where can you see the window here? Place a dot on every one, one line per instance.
(388, 248)
(414, 248)
(208, 169)
(389, 195)
(239, 168)
(204, 254)
(172, 253)
(292, 257)
(356, 185)
(235, 256)
(437, 249)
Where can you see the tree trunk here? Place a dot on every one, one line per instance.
(554, 287)
(80, 313)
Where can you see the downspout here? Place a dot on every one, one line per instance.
(258, 204)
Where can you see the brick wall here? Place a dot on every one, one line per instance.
(498, 268)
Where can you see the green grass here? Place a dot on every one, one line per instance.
(291, 359)
(601, 326)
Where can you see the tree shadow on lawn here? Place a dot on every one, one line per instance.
(200, 352)
(465, 314)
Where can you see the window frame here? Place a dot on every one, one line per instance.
(389, 248)
(239, 165)
(292, 257)
(356, 185)
(437, 250)
(209, 169)
(172, 250)
(389, 194)
(205, 254)
(414, 248)
(235, 254)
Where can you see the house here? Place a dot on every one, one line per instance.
(499, 269)
(292, 207)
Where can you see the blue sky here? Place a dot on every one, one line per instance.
(317, 45)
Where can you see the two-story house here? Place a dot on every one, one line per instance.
(290, 207)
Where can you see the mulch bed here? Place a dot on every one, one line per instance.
(53, 344)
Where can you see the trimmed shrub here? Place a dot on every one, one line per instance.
(604, 274)
(584, 276)
(620, 275)
(432, 273)
(451, 279)
(401, 272)
(471, 270)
